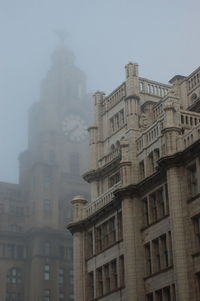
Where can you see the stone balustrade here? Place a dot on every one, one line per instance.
(149, 136)
(101, 201)
(109, 157)
(114, 98)
(189, 119)
(193, 81)
(188, 138)
(153, 88)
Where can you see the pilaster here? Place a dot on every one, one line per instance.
(78, 250)
(177, 195)
(132, 249)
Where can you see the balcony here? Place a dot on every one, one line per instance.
(115, 154)
(100, 202)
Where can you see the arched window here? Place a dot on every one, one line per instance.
(14, 276)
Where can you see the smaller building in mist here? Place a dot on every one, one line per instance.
(139, 236)
(35, 249)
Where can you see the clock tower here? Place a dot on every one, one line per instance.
(50, 175)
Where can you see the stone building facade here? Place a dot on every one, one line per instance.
(139, 237)
(35, 249)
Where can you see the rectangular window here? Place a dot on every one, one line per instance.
(158, 295)
(142, 170)
(166, 294)
(114, 282)
(149, 297)
(46, 295)
(146, 212)
(89, 244)
(156, 252)
(99, 279)
(47, 206)
(160, 202)
(46, 272)
(107, 278)
(90, 289)
(153, 207)
(114, 179)
(148, 259)
(98, 239)
(61, 296)
(61, 276)
(193, 180)
(120, 228)
(112, 231)
(196, 221)
(164, 251)
(121, 271)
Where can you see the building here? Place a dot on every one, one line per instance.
(139, 237)
(35, 249)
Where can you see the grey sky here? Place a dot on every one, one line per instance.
(161, 35)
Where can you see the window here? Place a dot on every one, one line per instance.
(89, 243)
(47, 272)
(153, 206)
(193, 180)
(196, 221)
(107, 278)
(62, 252)
(47, 249)
(61, 276)
(146, 212)
(164, 254)
(166, 294)
(99, 278)
(47, 206)
(161, 204)
(11, 296)
(156, 251)
(10, 251)
(114, 179)
(158, 295)
(61, 296)
(148, 259)
(105, 235)
(14, 276)
(121, 271)
(98, 239)
(114, 281)
(149, 297)
(142, 170)
(120, 227)
(91, 286)
(46, 295)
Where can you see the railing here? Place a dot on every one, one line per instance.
(115, 97)
(193, 81)
(154, 88)
(158, 110)
(189, 119)
(101, 201)
(189, 138)
(109, 157)
(150, 135)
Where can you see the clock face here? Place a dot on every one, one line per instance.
(74, 128)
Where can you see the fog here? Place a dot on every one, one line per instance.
(162, 36)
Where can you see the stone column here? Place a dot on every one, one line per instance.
(133, 249)
(78, 249)
(177, 194)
